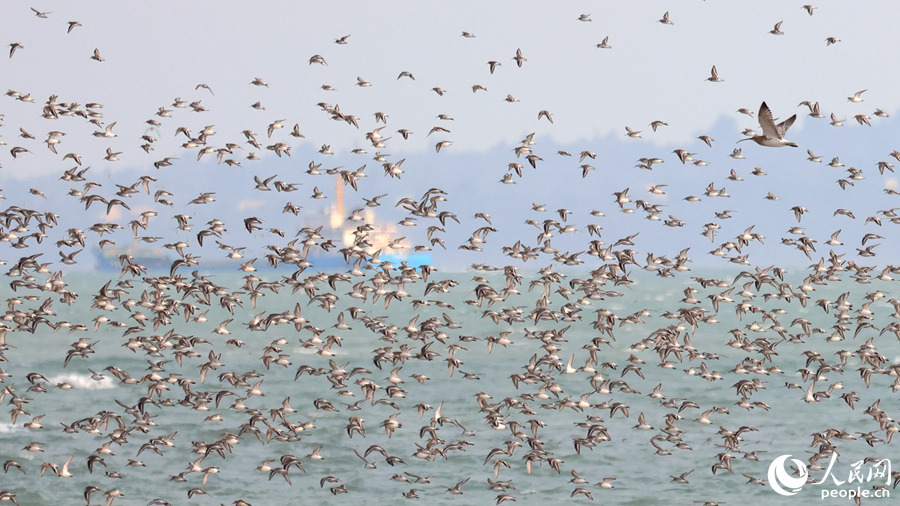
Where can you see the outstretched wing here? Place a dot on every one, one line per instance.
(767, 122)
(782, 127)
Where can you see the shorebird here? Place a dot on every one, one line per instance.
(456, 489)
(813, 109)
(773, 135)
(107, 132)
(140, 298)
(112, 156)
(519, 58)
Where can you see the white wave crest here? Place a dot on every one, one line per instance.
(6, 428)
(83, 381)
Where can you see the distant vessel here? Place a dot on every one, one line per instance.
(159, 259)
(109, 258)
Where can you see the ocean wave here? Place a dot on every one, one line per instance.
(6, 428)
(83, 381)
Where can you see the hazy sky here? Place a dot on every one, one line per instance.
(156, 52)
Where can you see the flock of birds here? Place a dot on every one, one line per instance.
(563, 323)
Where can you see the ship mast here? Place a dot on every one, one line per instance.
(339, 196)
(337, 209)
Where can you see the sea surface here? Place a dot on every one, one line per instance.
(641, 476)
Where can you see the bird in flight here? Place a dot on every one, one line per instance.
(773, 135)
